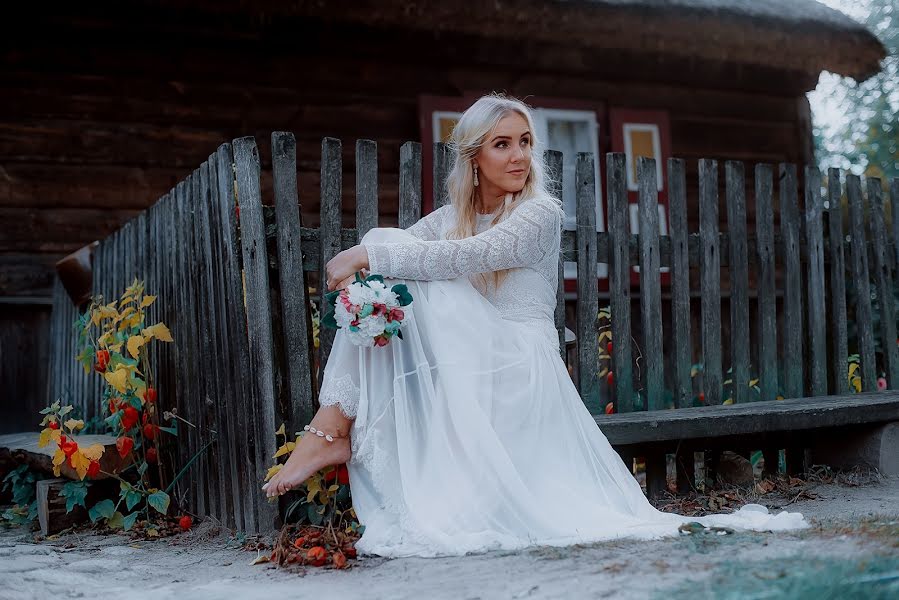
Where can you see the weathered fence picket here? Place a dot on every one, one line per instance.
(244, 360)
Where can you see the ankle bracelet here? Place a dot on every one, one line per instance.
(320, 433)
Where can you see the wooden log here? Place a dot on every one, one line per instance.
(884, 278)
(710, 281)
(817, 306)
(792, 339)
(366, 187)
(330, 241)
(443, 164)
(650, 285)
(259, 318)
(837, 314)
(410, 184)
(296, 318)
(680, 284)
(22, 448)
(552, 159)
(859, 274)
(588, 300)
(51, 505)
(619, 281)
(739, 279)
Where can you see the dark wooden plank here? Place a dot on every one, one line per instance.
(839, 351)
(792, 338)
(650, 285)
(366, 186)
(680, 284)
(212, 363)
(235, 346)
(710, 281)
(894, 210)
(329, 242)
(587, 296)
(884, 283)
(619, 281)
(859, 275)
(259, 317)
(410, 184)
(196, 388)
(735, 181)
(296, 319)
(552, 159)
(817, 316)
(443, 164)
(790, 416)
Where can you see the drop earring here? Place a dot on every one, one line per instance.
(476, 176)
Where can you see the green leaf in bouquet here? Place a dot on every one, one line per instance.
(360, 280)
(399, 333)
(402, 294)
(331, 296)
(366, 310)
(329, 321)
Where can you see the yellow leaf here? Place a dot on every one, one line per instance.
(857, 383)
(728, 401)
(853, 367)
(118, 379)
(147, 301)
(93, 452)
(126, 312)
(73, 425)
(280, 430)
(95, 317)
(81, 463)
(109, 312)
(605, 335)
(58, 459)
(753, 382)
(44, 438)
(334, 488)
(272, 471)
(158, 331)
(134, 344)
(285, 449)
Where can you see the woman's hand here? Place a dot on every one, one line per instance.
(345, 265)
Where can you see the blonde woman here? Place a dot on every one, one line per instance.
(469, 435)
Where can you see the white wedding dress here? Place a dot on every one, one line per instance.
(469, 434)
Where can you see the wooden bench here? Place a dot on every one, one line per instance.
(828, 429)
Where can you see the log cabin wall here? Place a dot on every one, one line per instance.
(101, 113)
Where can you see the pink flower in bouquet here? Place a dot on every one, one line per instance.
(395, 314)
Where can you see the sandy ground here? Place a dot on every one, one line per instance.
(852, 551)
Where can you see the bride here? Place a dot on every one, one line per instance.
(468, 434)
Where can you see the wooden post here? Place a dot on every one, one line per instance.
(680, 283)
(330, 233)
(650, 286)
(366, 187)
(739, 279)
(885, 298)
(619, 281)
(817, 319)
(710, 265)
(789, 225)
(410, 184)
(587, 293)
(859, 273)
(296, 321)
(259, 319)
(837, 313)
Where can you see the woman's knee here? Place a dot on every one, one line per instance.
(379, 235)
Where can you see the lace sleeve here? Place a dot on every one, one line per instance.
(427, 228)
(521, 240)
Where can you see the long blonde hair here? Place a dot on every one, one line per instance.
(469, 135)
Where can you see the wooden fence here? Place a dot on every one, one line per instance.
(233, 288)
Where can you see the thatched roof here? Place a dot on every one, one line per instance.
(792, 35)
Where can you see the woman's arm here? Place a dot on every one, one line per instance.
(521, 240)
(427, 228)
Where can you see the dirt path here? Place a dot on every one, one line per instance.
(855, 538)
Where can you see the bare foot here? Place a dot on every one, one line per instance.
(311, 454)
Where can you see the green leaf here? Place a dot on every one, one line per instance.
(159, 501)
(75, 492)
(128, 521)
(329, 321)
(402, 294)
(132, 497)
(399, 333)
(171, 430)
(116, 521)
(331, 296)
(143, 467)
(102, 509)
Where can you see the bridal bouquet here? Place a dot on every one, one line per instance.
(370, 312)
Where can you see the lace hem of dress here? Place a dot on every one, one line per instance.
(342, 392)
